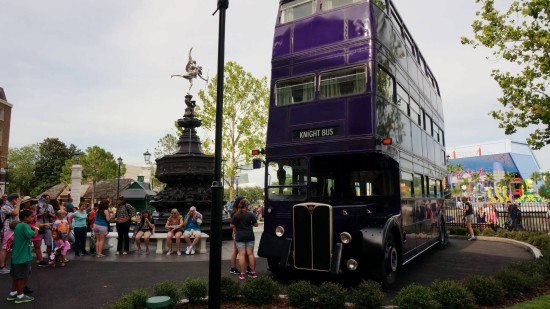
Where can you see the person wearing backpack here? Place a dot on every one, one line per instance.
(8, 213)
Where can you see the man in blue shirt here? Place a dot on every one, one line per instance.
(192, 222)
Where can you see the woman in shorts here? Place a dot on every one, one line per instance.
(243, 223)
(101, 226)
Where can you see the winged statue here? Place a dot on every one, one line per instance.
(192, 71)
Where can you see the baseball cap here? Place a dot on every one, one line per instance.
(13, 196)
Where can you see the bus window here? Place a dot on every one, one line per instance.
(418, 185)
(297, 9)
(342, 82)
(407, 188)
(403, 99)
(296, 90)
(415, 112)
(333, 4)
(287, 180)
(384, 84)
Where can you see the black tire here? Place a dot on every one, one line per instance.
(387, 269)
(443, 237)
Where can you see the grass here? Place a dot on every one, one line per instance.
(537, 303)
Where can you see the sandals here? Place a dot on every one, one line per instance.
(169, 252)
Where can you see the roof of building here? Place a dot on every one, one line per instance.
(107, 188)
(138, 190)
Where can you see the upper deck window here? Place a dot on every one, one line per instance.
(296, 10)
(343, 82)
(297, 90)
(333, 4)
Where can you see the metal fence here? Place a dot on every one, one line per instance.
(533, 218)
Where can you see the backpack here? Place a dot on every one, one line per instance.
(62, 226)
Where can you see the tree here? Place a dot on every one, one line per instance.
(520, 36)
(490, 179)
(246, 101)
(536, 177)
(21, 164)
(475, 180)
(52, 154)
(99, 164)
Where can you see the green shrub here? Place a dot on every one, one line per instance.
(331, 295)
(301, 294)
(486, 290)
(514, 281)
(451, 295)
(195, 290)
(531, 267)
(260, 291)
(415, 296)
(119, 304)
(456, 230)
(168, 288)
(229, 288)
(368, 294)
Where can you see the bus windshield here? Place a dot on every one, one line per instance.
(349, 178)
(287, 180)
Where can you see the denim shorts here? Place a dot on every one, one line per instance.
(245, 244)
(470, 218)
(101, 230)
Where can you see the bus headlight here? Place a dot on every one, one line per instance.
(351, 264)
(279, 231)
(345, 238)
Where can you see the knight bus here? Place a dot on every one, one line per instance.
(355, 149)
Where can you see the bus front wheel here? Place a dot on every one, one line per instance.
(386, 272)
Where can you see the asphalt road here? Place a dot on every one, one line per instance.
(89, 282)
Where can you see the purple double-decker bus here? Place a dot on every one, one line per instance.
(355, 150)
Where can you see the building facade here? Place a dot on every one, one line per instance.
(5, 124)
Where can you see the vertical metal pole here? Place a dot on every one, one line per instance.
(214, 274)
(118, 183)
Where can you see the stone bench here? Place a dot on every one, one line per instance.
(161, 241)
(109, 236)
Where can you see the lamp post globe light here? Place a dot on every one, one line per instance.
(119, 160)
(147, 156)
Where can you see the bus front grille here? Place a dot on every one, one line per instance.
(312, 236)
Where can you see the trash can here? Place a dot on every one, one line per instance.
(158, 302)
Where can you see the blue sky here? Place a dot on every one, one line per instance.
(98, 72)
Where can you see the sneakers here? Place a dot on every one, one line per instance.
(11, 297)
(192, 251)
(24, 299)
(179, 252)
(234, 271)
(188, 250)
(100, 255)
(241, 276)
(472, 238)
(248, 270)
(4, 270)
(252, 274)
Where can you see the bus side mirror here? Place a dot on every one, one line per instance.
(256, 163)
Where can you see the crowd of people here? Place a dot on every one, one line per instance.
(26, 224)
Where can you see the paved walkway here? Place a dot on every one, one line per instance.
(89, 282)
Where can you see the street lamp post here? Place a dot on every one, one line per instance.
(119, 160)
(147, 158)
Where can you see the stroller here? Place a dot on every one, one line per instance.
(57, 258)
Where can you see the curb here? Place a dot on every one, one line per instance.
(528, 247)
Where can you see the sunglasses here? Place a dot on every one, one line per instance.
(174, 213)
